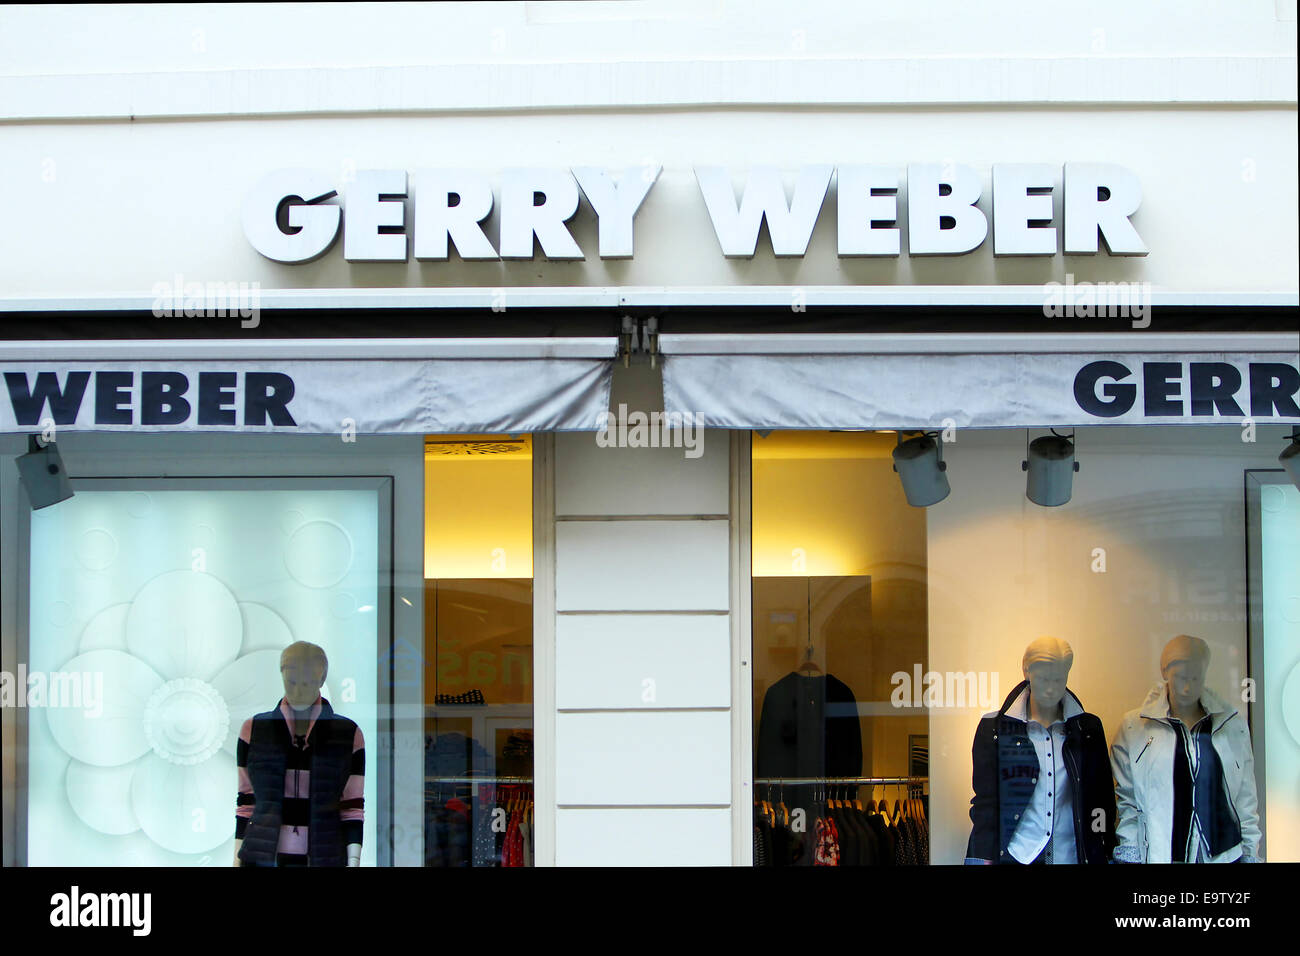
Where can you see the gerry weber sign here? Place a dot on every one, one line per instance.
(291, 215)
(731, 391)
(331, 397)
(982, 391)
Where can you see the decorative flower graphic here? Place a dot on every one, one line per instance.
(177, 662)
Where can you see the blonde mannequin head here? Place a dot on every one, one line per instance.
(1183, 665)
(1046, 665)
(303, 667)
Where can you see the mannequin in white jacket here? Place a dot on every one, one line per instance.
(1184, 770)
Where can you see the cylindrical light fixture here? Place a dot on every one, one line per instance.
(1051, 467)
(922, 469)
(42, 474)
(1290, 458)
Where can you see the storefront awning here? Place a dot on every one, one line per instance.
(991, 380)
(362, 386)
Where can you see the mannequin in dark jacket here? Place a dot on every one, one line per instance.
(1039, 760)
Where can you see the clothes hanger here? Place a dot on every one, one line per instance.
(809, 666)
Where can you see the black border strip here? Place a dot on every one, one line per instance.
(604, 321)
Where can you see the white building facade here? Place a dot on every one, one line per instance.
(268, 259)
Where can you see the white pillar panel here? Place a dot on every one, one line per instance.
(641, 565)
(591, 480)
(637, 760)
(642, 742)
(642, 661)
(653, 837)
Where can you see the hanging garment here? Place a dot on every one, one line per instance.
(788, 846)
(872, 852)
(512, 851)
(923, 841)
(809, 727)
(904, 851)
(767, 839)
(485, 848)
(448, 824)
(844, 836)
(884, 839)
(827, 852)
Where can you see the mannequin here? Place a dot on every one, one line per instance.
(1185, 771)
(1041, 775)
(301, 775)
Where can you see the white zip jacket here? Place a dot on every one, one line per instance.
(1142, 757)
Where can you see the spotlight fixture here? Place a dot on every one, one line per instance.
(920, 465)
(42, 473)
(1049, 460)
(1290, 458)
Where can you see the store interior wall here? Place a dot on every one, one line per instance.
(1163, 507)
(478, 513)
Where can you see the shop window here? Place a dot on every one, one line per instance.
(1034, 667)
(1273, 509)
(478, 651)
(158, 616)
(839, 605)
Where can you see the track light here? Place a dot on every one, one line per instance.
(1050, 463)
(42, 473)
(920, 465)
(1290, 458)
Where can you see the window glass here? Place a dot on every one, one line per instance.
(478, 681)
(1036, 663)
(158, 616)
(839, 605)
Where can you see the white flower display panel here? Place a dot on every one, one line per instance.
(181, 601)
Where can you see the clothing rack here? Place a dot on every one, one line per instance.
(479, 779)
(841, 781)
